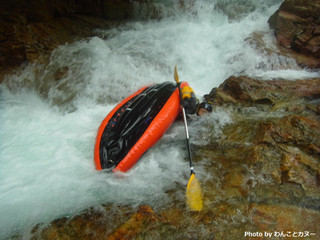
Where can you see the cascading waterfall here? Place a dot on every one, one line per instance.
(50, 114)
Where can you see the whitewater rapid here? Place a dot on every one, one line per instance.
(48, 127)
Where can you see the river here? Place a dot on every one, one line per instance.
(48, 126)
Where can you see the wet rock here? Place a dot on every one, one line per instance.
(89, 225)
(314, 106)
(61, 73)
(120, 222)
(248, 91)
(299, 168)
(233, 10)
(267, 162)
(30, 30)
(295, 130)
(135, 225)
(33, 42)
(297, 26)
(261, 218)
(286, 219)
(281, 57)
(278, 59)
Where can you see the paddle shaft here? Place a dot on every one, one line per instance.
(187, 132)
(188, 141)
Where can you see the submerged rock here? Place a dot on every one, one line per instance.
(123, 223)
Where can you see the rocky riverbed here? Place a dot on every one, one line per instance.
(265, 171)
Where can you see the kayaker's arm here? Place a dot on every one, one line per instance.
(189, 100)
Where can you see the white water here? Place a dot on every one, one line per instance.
(46, 151)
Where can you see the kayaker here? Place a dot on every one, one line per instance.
(191, 103)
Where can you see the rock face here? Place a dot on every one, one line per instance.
(30, 30)
(278, 122)
(267, 160)
(251, 91)
(297, 27)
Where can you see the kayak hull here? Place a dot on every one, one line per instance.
(152, 126)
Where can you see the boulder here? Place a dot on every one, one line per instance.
(273, 93)
(297, 27)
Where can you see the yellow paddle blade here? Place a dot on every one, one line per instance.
(194, 195)
(176, 77)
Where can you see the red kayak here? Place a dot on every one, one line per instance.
(135, 125)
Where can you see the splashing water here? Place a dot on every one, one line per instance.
(49, 120)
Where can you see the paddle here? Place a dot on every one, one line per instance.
(193, 193)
